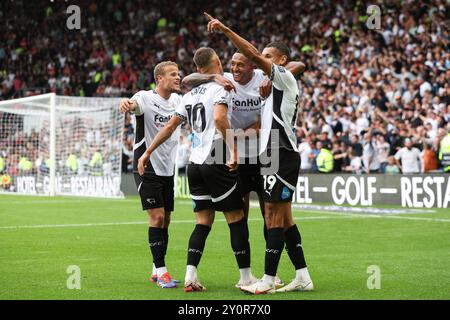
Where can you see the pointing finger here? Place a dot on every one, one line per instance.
(208, 16)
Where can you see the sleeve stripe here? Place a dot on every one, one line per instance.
(225, 102)
(272, 74)
(182, 117)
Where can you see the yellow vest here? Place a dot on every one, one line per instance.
(2, 164)
(116, 59)
(71, 162)
(444, 153)
(325, 160)
(96, 159)
(25, 164)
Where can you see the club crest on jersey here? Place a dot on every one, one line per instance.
(285, 194)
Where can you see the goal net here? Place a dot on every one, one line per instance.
(57, 145)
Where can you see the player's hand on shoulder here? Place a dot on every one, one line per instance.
(224, 82)
(265, 89)
(126, 105)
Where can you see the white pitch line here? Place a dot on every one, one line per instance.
(338, 214)
(320, 189)
(378, 216)
(388, 191)
(100, 224)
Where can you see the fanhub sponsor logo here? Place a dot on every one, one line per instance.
(162, 119)
(246, 103)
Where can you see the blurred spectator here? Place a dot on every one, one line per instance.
(306, 149)
(339, 152)
(408, 158)
(355, 163)
(383, 149)
(356, 145)
(324, 160)
(429, 158)
(370, 155)
(392, 166)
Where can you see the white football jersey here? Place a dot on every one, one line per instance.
(152, 114)
(246, 109)
(197, 107)
(280, 111)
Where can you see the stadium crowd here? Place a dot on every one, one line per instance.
(373, 100)
(25, 152)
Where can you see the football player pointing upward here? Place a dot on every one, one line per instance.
(248, 85)
(278, 118)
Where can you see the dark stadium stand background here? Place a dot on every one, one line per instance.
(351, 70)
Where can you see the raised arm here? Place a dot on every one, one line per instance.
(245, 47)
(159, 139)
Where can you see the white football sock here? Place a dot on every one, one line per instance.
(154, 269)
(161, 271)
(191, 273)
(246, 274)
(268, 279)
(302, 274)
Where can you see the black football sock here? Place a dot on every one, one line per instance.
(294, 247)
(264, 226)
(197, 244)
(239, 242)
(156, 244)
(274, 247)
(265, 231)
(166, 239)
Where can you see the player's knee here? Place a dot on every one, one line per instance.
(206, 221)
(234, 216)
(167, 218)
(157, 218)
(273, 217)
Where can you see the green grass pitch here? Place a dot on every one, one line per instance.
(41, 237)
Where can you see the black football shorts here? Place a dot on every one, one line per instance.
(279, 186)
(155, 191)
(213, 186)
(250, 175)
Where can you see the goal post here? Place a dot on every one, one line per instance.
(52, 168)
(59, 145)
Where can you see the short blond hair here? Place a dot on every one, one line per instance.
(160, 69)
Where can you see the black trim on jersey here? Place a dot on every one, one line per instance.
(272, 74)
(284, 142)
(140, 128)
(182, 117)
(223, 101)
(137, 153)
